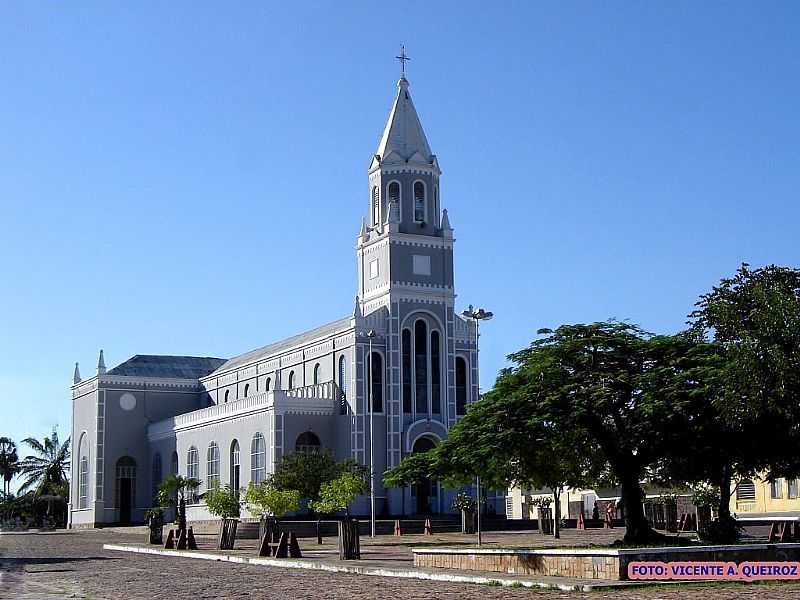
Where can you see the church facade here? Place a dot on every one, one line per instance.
(404, 349)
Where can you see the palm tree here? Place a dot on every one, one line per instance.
(48, 468)
(9, 462)
(173, 490)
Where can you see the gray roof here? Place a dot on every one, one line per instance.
(285, 344)
(177, 367)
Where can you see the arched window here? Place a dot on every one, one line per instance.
(83, 473)
(746, 490)
(461, 386)
(308, 442)
(394, 192)
(316, 374)
(212, 465)
(246, 390)
(174, 465)
(421, 366)
(157, 474)
(419, 201)
(193, 471)
(376, 206)
(406, 370)
(376, 381)
(436, 378)
(291, 380)
(258, 456)
(235, 483)
(227, 395)
(268, 384)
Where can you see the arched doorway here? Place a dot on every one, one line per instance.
(427, 492)
(308, 443)
(126, 488)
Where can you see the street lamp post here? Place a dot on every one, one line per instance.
(370, 335)
(477, 315)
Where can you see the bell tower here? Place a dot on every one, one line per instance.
(406, 238)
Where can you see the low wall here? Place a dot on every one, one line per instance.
(590, 563)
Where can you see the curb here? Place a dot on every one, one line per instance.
(356, 570)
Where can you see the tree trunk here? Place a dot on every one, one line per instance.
(724, 506)
(637, 529)
(557, 513)
(349, 543)
(181, 513)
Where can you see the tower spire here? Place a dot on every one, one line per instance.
(101, 364)
(76, 376)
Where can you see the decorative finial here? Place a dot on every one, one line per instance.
(357, 310)
(101, 364)
(362, 234)
(76, 377)
(446, 221)
(402, 58)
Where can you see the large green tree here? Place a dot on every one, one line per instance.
(604, 401)
(46, 469)
(754, 317)
(307, 471)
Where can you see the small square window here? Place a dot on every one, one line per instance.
(373, 269)
(422, 264)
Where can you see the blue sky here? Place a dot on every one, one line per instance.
(189, 177)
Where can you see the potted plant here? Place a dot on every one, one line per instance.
(224, 502)
(154, 517)
(270, 503)
(465, 504)
(545, 513)
(336, 495)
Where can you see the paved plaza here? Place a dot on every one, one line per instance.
(73, 564)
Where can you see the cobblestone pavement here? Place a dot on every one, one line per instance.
(74, 565)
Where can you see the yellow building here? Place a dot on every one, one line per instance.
(754, 498)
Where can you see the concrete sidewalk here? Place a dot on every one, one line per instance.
(383, 561)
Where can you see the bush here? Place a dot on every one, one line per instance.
(223, 502)
(266, 499)
(726, 531)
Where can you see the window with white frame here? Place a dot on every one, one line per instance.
(258, 455)
(776, 488)
(793, 488)
(373, 268)
(83, 483)
(193, 471)
(212, 465)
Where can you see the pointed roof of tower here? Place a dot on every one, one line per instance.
(403, 139)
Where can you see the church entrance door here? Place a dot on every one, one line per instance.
(125, 501)
(424, 491)
(126, 488)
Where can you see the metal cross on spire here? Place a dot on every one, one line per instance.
(402, 58)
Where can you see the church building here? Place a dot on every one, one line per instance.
(404, 347)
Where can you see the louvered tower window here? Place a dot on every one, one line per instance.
(419, 201)
(376, 206)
